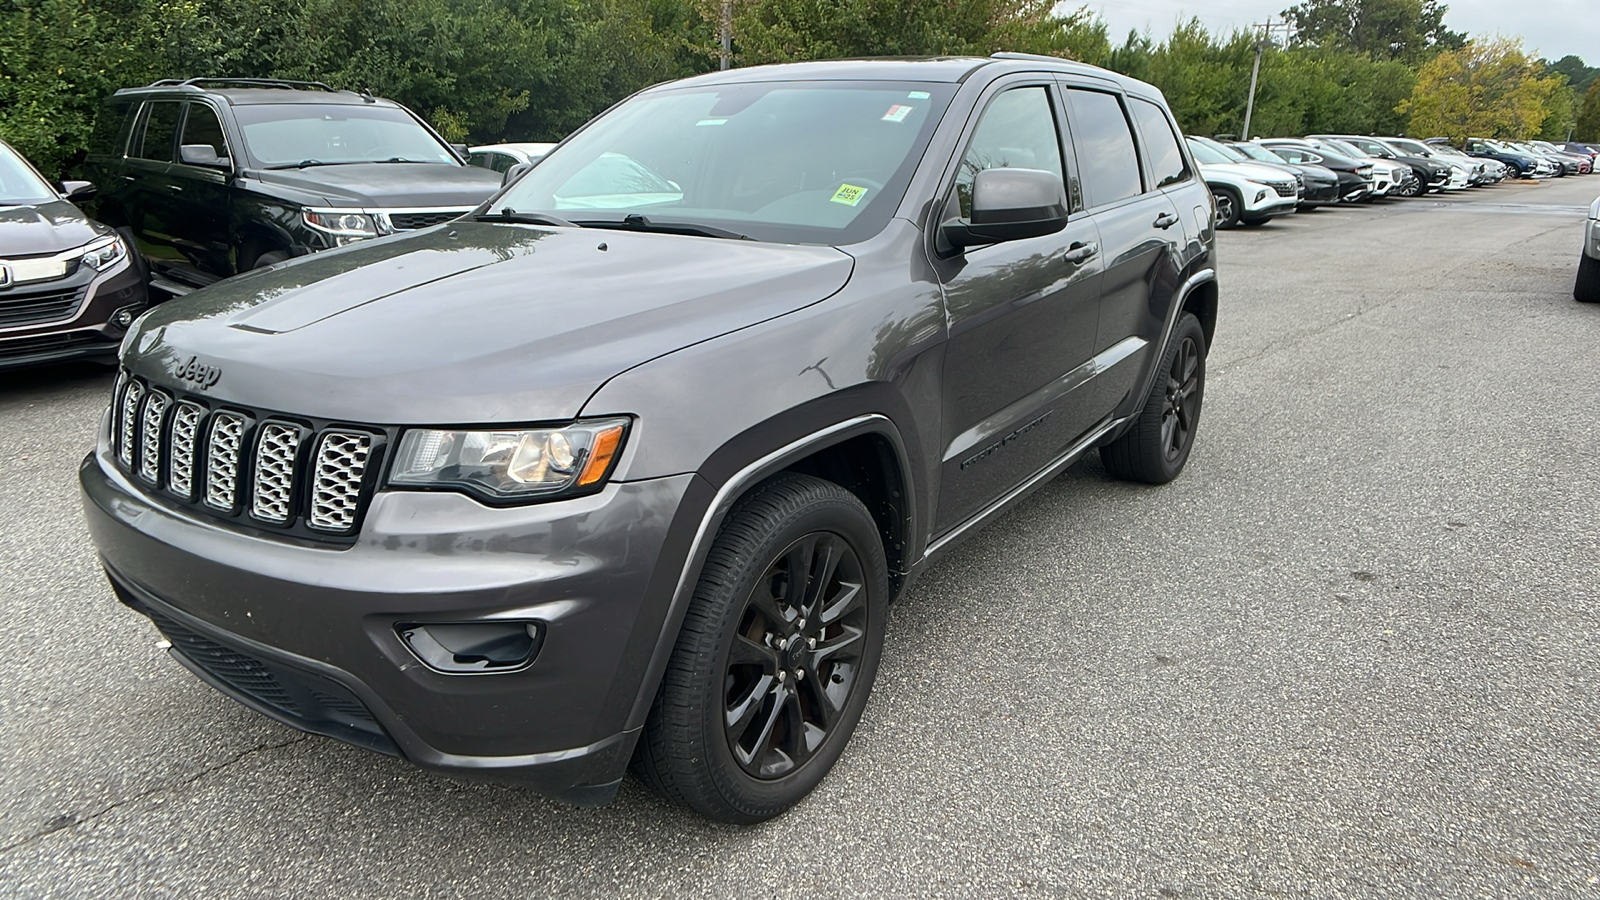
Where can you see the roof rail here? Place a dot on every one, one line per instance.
(1007, 54)
(284, 83)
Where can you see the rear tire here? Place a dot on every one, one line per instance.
(1587, 288)
(1156, 448)
(776, 655)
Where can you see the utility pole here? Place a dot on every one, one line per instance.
(1255, 71)
(727, 33)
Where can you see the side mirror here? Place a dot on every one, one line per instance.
(515, 172)
(462, 150)
(1011, 205)
(78, 191)
(203, 155)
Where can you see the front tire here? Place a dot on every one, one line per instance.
(1156, 448)
(1587, 288)
(776, 656)
(1229, 206)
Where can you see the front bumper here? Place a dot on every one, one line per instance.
(84, 332)
(597, 573)
(1591, 240)
(1264, 202)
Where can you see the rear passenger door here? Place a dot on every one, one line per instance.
(1141, 235)
(199, 229)
(149, 199)
(1021, 314)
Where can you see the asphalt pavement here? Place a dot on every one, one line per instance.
(1353, 652)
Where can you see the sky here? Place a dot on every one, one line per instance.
(1561, 27)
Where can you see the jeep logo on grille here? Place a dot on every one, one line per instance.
(5, 276)
(199, 374)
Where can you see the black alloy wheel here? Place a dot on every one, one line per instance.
(776, 656)
(1156, 446)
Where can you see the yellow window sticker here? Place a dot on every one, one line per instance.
(848, 194)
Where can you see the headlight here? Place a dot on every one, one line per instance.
(510, 464)
(103, 254)
(345, 225)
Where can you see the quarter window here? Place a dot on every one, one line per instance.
(1167, 165)
(1108, 159)
(160, 129)
(203, 127)
(1017, 131)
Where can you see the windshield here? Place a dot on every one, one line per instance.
(1228, 153)
(1414, 148)
(1343, 149)
(293, 134)
(1205, 153)
(1258, 152)
(793, 162)
(19, 184)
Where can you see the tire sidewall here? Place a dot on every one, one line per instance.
(762, 799)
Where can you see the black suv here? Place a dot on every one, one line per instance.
(212, 177)
(630, 463)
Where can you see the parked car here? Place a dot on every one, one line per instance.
(501, 157)
(1479, 171)
(68, 288)
(1587, 288)
(1581, 149)
(1355, 177)
(1244, 193)
(656, 507)
(1571, 163)
(1319, 185)
(1521, 165)
(216, 176)
(1388, 176)
(1465, 171)
(1426, 174)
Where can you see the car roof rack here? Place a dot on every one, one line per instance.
(1010, 54)
(280, 83)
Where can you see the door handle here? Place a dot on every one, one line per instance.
(129, 178)
(175, 187)
(1081, 251)
(1166, 220)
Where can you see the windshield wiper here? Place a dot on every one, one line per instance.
(307, 163)
(512, 217)
(637, 222)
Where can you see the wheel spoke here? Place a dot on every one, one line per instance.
(746, 652)
(799, 738)
(763, 742)
(817, 689)
(849, 597)
(797, 562)
(767, 605)
(1169, 425)
(740, 715)
(824, 563)
(844, 646)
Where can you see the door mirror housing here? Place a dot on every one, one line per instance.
(1010, 205)
(78, 191)
(203, 155)
(515, 172)
(462, 150)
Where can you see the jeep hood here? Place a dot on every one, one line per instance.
(390, 185)
(472, 322)
(35, 230)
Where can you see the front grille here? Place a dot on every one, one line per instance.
(39, 309)
(1284, 190)
(256, 468)
(312, 702)
(410, 221)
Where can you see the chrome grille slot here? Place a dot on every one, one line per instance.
(128, 421)
(180, 448)
(272, 490)
(336, 488)
(222, 460)
(150, 422)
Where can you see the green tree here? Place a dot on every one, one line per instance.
(1588, 128)
(1407, 30)
(1486, 89)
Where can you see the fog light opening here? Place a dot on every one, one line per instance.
(470, 648)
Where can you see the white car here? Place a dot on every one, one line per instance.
(1587, 290)
(500, 157)
(1245, 192)
(1386, 175)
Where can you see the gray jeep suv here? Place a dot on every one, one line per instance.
(629, 464)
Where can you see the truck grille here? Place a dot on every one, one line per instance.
(39, 309)
(423, 218)
(257, 468)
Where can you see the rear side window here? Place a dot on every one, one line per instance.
(160, 131)
(1017, 131)
(111, 129)
(1167, 165)
(1108, 160)
(203, 127)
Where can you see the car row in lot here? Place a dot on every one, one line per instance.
(1254, 181)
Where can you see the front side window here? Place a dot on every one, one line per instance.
(202, 127)
(292, 135)
(1108, 157)
(1166, 158)
(1017, 131)
(19, 184)
(495, 162)
(160, 131)
(796, 162)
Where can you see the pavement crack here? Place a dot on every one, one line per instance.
(67, 821)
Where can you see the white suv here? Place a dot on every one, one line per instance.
(1245, 192)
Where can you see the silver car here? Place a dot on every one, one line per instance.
(1587, 290)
